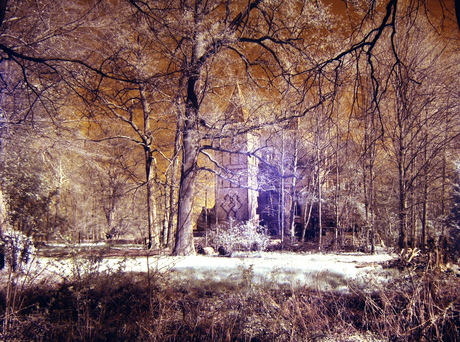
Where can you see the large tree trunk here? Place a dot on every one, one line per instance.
(184, 234)
(190, 149)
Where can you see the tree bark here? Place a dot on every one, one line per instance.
(190, 149)
(294, 199)
(320, 206)
(172, 201)
(184, 234)
(402, 210)
(3, 214)
(152, 229)
(457, 12)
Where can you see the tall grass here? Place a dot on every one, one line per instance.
(419, 307)
(123, 306)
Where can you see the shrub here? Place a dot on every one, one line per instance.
(239, 236)
(15, 249)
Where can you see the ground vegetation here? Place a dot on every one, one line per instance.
(416, 306)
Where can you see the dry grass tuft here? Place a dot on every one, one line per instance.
(135, 307)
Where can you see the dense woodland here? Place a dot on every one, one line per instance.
(123, 120)
(113, 113)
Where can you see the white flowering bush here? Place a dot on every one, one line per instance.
(239, 236)
(16, 249)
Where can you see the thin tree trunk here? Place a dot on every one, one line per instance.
(402, 191)
(371, 217)
(293, 197)
(306, 220)
(442, 239)
(294, 200)
(281, 198)
(172, 190)
(281, 210)
(153, 230)
(320, 209)
(337, 199)
(424, 213)
(402, 211)
(3, 213)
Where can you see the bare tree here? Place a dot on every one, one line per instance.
(257, 42)
(171, 69)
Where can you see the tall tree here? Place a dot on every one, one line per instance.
(259, 42)
(171, 66)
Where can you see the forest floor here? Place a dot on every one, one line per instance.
(91, 292)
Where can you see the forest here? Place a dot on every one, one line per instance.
(114, 114)
(328, 124)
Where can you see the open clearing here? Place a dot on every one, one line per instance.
(318, 271)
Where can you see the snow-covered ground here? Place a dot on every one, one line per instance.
(275, 269)
(318, 271)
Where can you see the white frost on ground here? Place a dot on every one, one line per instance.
(276, 269)
(318, 271)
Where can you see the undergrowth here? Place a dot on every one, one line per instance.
(129, 307)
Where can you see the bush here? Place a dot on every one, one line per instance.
(239, 236)
(16, 249)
